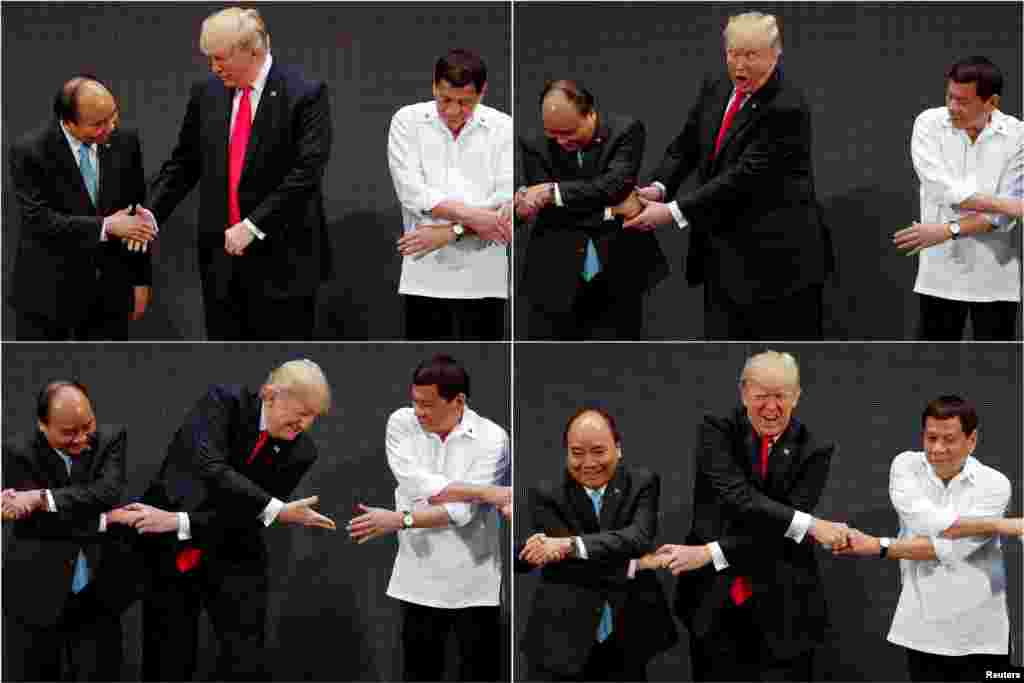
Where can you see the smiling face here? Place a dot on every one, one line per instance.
(769, 395)
(565, 125)
(436, 414)
(946, 446)
(967, 111)
(288, 413)
(592, 454)
(70, 423)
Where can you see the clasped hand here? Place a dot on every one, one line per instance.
(19, 504)
(541, 549)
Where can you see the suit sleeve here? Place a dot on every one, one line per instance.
(635, 539)
(534, 169)
(616, 180)
(140, 263)
(598, 573)
(804, 493)
(39, 217)
(181, 172)
(778, 147)
(682, 155)
(312, 151)
(79, 505)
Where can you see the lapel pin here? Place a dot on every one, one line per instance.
(277, 449)
(273, 93)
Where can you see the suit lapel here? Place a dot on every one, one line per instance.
(107, 177)
(783, 455)
(581, 504)
(50, 463)
(81, 464)
(611, 502)
(266, 118)
(251, 422)
(750, 446)
(67, 164)
(220, 120)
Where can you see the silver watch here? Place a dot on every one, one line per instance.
(407, 520)
(883, 547)
(954, 229)
(458, 230)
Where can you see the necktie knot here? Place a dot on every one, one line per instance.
(595, 498)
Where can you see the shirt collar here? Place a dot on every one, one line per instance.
(599, 492)
(263, 416)
(468, 426)
(75, 143)
(968, 473)
(998, 124)
(261, 80)
(479, 117)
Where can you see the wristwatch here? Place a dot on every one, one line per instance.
(458, 230)
(954, 229)
(407, 520)
(883, 547)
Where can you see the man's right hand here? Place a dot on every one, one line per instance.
(126, 226)
(651, 193)
(488, 225)
(301, 512)
(834, 535)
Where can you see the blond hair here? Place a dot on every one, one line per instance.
(754, 22)
(236, 28)
(302, 378)
(772, 360)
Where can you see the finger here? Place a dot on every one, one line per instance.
(324, 522)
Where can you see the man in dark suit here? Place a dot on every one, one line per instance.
(596, 615)
(75, 179)
(585, 277)
(57, 484)
(256, 137)
(749, 591)
(759, 244)
(228, 467)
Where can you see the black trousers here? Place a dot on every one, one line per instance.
(247, 314)
(945, 319)
(598, 313)
(97, 326)
(60, 653)
(607, 661)
(925, 666)
(235, 600)
(798, 316)
(424, 634)
(433, 319)
(736, 651)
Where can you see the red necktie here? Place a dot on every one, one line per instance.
(188, 558)
(730, 114)
(236, 154)
(741, 589)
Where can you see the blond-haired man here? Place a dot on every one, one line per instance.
(256, 138)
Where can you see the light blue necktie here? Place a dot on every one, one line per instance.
(591, 264)
(604, 628)
(81, 565)
(88, 171)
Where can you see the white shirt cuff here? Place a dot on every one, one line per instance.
(51, 504)
(661, 187)
(799, 526)
(103, 523)
(271, 512)
(717, 556)
(558, 196)
(184, 527)
(678, 215)
(253, 229)
(581, 550)
(608, 216)
(631, 572)
(103, 229)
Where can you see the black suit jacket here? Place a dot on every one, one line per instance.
(280, 190)
(748, 517)
(41, 550)
(205, 474)
(757, 228)
(632, 261)
(62, 269)
(562, 626)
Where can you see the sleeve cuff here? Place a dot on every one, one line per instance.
(253, 229)
(103, 229)
(558, 196)
(661, 186)
(717, 556)
(51, 504)
(631, 572)
(678, 215)
(184, 527)
(608, 215)
(798, 526)
(271, 512)
(103, 523)
(581, 550)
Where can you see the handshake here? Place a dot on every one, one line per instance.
(20, 504)
(135, 226)
(529, 201)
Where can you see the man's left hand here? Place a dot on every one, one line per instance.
(152, 520)
(372, 523)
(20, 504)
(541, 549)
(860, 545)
(653, 215)
(237, 238)
(685, 558)
(142, 296)
(425, 238)
(920, 236)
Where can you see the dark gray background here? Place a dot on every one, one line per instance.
(329, 617)
(866, 397)
(867, 69)
(375, 59)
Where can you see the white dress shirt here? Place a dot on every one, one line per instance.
(429, 165)
(982, 267)
(455, 566)
(955, 605)
(255, 94)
